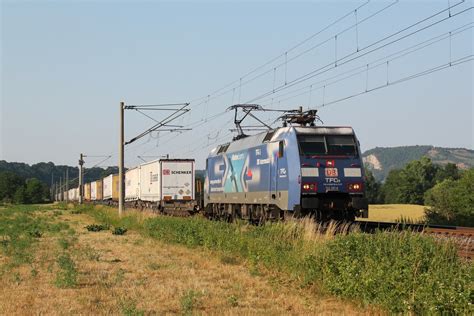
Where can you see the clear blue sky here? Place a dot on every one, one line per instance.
(66, 65)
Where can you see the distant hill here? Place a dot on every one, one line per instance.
(44, 171)
(381, 160)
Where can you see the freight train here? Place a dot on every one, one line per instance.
(165, 185)
(288, 171)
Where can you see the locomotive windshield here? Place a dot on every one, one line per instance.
(327, 145)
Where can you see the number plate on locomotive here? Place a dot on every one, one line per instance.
(330, 172)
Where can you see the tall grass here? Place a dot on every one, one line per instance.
(400, 271)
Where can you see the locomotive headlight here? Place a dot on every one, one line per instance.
(355, 187)
(310, 187)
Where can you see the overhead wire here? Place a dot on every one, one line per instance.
(196, 124)
(269, 62)
(456, 62)
(206, 99)
(364, 68)
(286, 61)
(337, 63)
(243, 83)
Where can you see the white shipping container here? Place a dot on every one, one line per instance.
(150, 181)
(93, 191)
(107, 187)
(75, 194)
(177, 179)
(71, 195)
(132, 184)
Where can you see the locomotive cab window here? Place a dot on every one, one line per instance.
(341, 145)
(320, 145)
(312, 145)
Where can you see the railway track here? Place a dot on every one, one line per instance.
(462, 236)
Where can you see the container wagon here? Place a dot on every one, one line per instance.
(110, 188)
(75, 194)
(93, 185)
(132, 185)
(87, 192)
(96, 190)
(99, 190)
(168, 185)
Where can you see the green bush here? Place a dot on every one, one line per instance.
(96, 228)
(403, 272)
(119, 231)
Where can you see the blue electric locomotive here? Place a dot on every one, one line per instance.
(287, 171)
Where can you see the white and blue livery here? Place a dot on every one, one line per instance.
(288, 171)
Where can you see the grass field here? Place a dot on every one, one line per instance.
(59, 267)
(68, 261)
(396, 212)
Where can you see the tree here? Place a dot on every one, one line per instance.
(452, 201)
(35, 191)
(409, 184)
(9, 184)
(13, 188)
(417, 177)
(391, 188)
(372, 188)
(449, 171)
(20, 196)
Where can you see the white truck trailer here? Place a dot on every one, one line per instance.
(168, 185)
(132, 184)
(93, 191)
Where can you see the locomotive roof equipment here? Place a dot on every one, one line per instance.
(300, 117)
